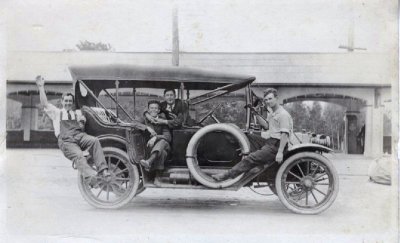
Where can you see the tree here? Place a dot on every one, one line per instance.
(316, 121)
(92, 46)
(300, 115)
(333, 116)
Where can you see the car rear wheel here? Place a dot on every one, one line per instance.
(113, 191)
(307, 183)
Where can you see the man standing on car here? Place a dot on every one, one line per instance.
(174, 109)
(280, 125)
(158, 144)
(68, 128)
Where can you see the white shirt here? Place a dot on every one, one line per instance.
(54, 114)
(279, 121)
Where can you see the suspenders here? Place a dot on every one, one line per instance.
(69, 117)
(69, 127)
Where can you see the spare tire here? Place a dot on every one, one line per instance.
(191, 153)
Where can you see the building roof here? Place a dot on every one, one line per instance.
(358, 69)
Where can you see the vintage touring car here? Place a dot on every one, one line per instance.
(306, 182)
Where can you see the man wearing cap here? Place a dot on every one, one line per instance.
(280, 125)
(69, 129)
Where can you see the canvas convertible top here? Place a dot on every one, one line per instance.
(104, 76)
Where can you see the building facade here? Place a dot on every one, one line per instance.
(360, 82)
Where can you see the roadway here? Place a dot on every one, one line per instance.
(43, 204)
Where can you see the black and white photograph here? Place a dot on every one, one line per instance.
(199, 121)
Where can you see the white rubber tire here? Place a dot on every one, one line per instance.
(191, 153)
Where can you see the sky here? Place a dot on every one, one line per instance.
(204, 25)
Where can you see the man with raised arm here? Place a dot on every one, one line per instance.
(72, 140)
(280, 125)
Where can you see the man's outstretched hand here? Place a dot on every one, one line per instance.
(39, 81)
(279, 157)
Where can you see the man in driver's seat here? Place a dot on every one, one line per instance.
(280, 125)
(69, 129)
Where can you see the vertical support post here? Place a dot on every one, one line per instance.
(248, 101)
(134, 103)
(34, 115)
(395, 103)
(34, 118)
(29, 118)
(377, 132)
(181, 90)
(346, 126)
(373, 132)
(26, 122)
(116, 96)
(368, 131)
(338, 140)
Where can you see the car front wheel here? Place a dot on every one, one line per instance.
(307, 183)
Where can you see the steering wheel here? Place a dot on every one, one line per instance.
(210, 114)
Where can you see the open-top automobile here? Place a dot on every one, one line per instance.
(306, 182)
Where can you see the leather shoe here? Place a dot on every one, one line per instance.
(104, 173)
(221, 176)
(92, 181)
(146, 165)
(85, 169)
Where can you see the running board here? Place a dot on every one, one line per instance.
(181, 178)
(181, 186)
(249, 176)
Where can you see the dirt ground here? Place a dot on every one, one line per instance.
(43, 204)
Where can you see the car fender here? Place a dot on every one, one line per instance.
(113, 140)
(116, 141)
(309, 147)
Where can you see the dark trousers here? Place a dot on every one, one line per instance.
(73, 145)
(265, 155)
(162, 148)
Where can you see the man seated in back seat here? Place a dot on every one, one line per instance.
(159, 143)
(175, 110)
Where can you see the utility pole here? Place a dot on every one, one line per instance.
(175, 36)
(350, 39)
(350, 42)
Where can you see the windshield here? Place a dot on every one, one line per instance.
(230, 109)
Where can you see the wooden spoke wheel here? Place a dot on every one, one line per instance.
(307, 183)
(113, 191)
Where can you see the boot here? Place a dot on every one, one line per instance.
(94, 181)
(104, 173)
(221, 176)
(148, 163)
(85, 169)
